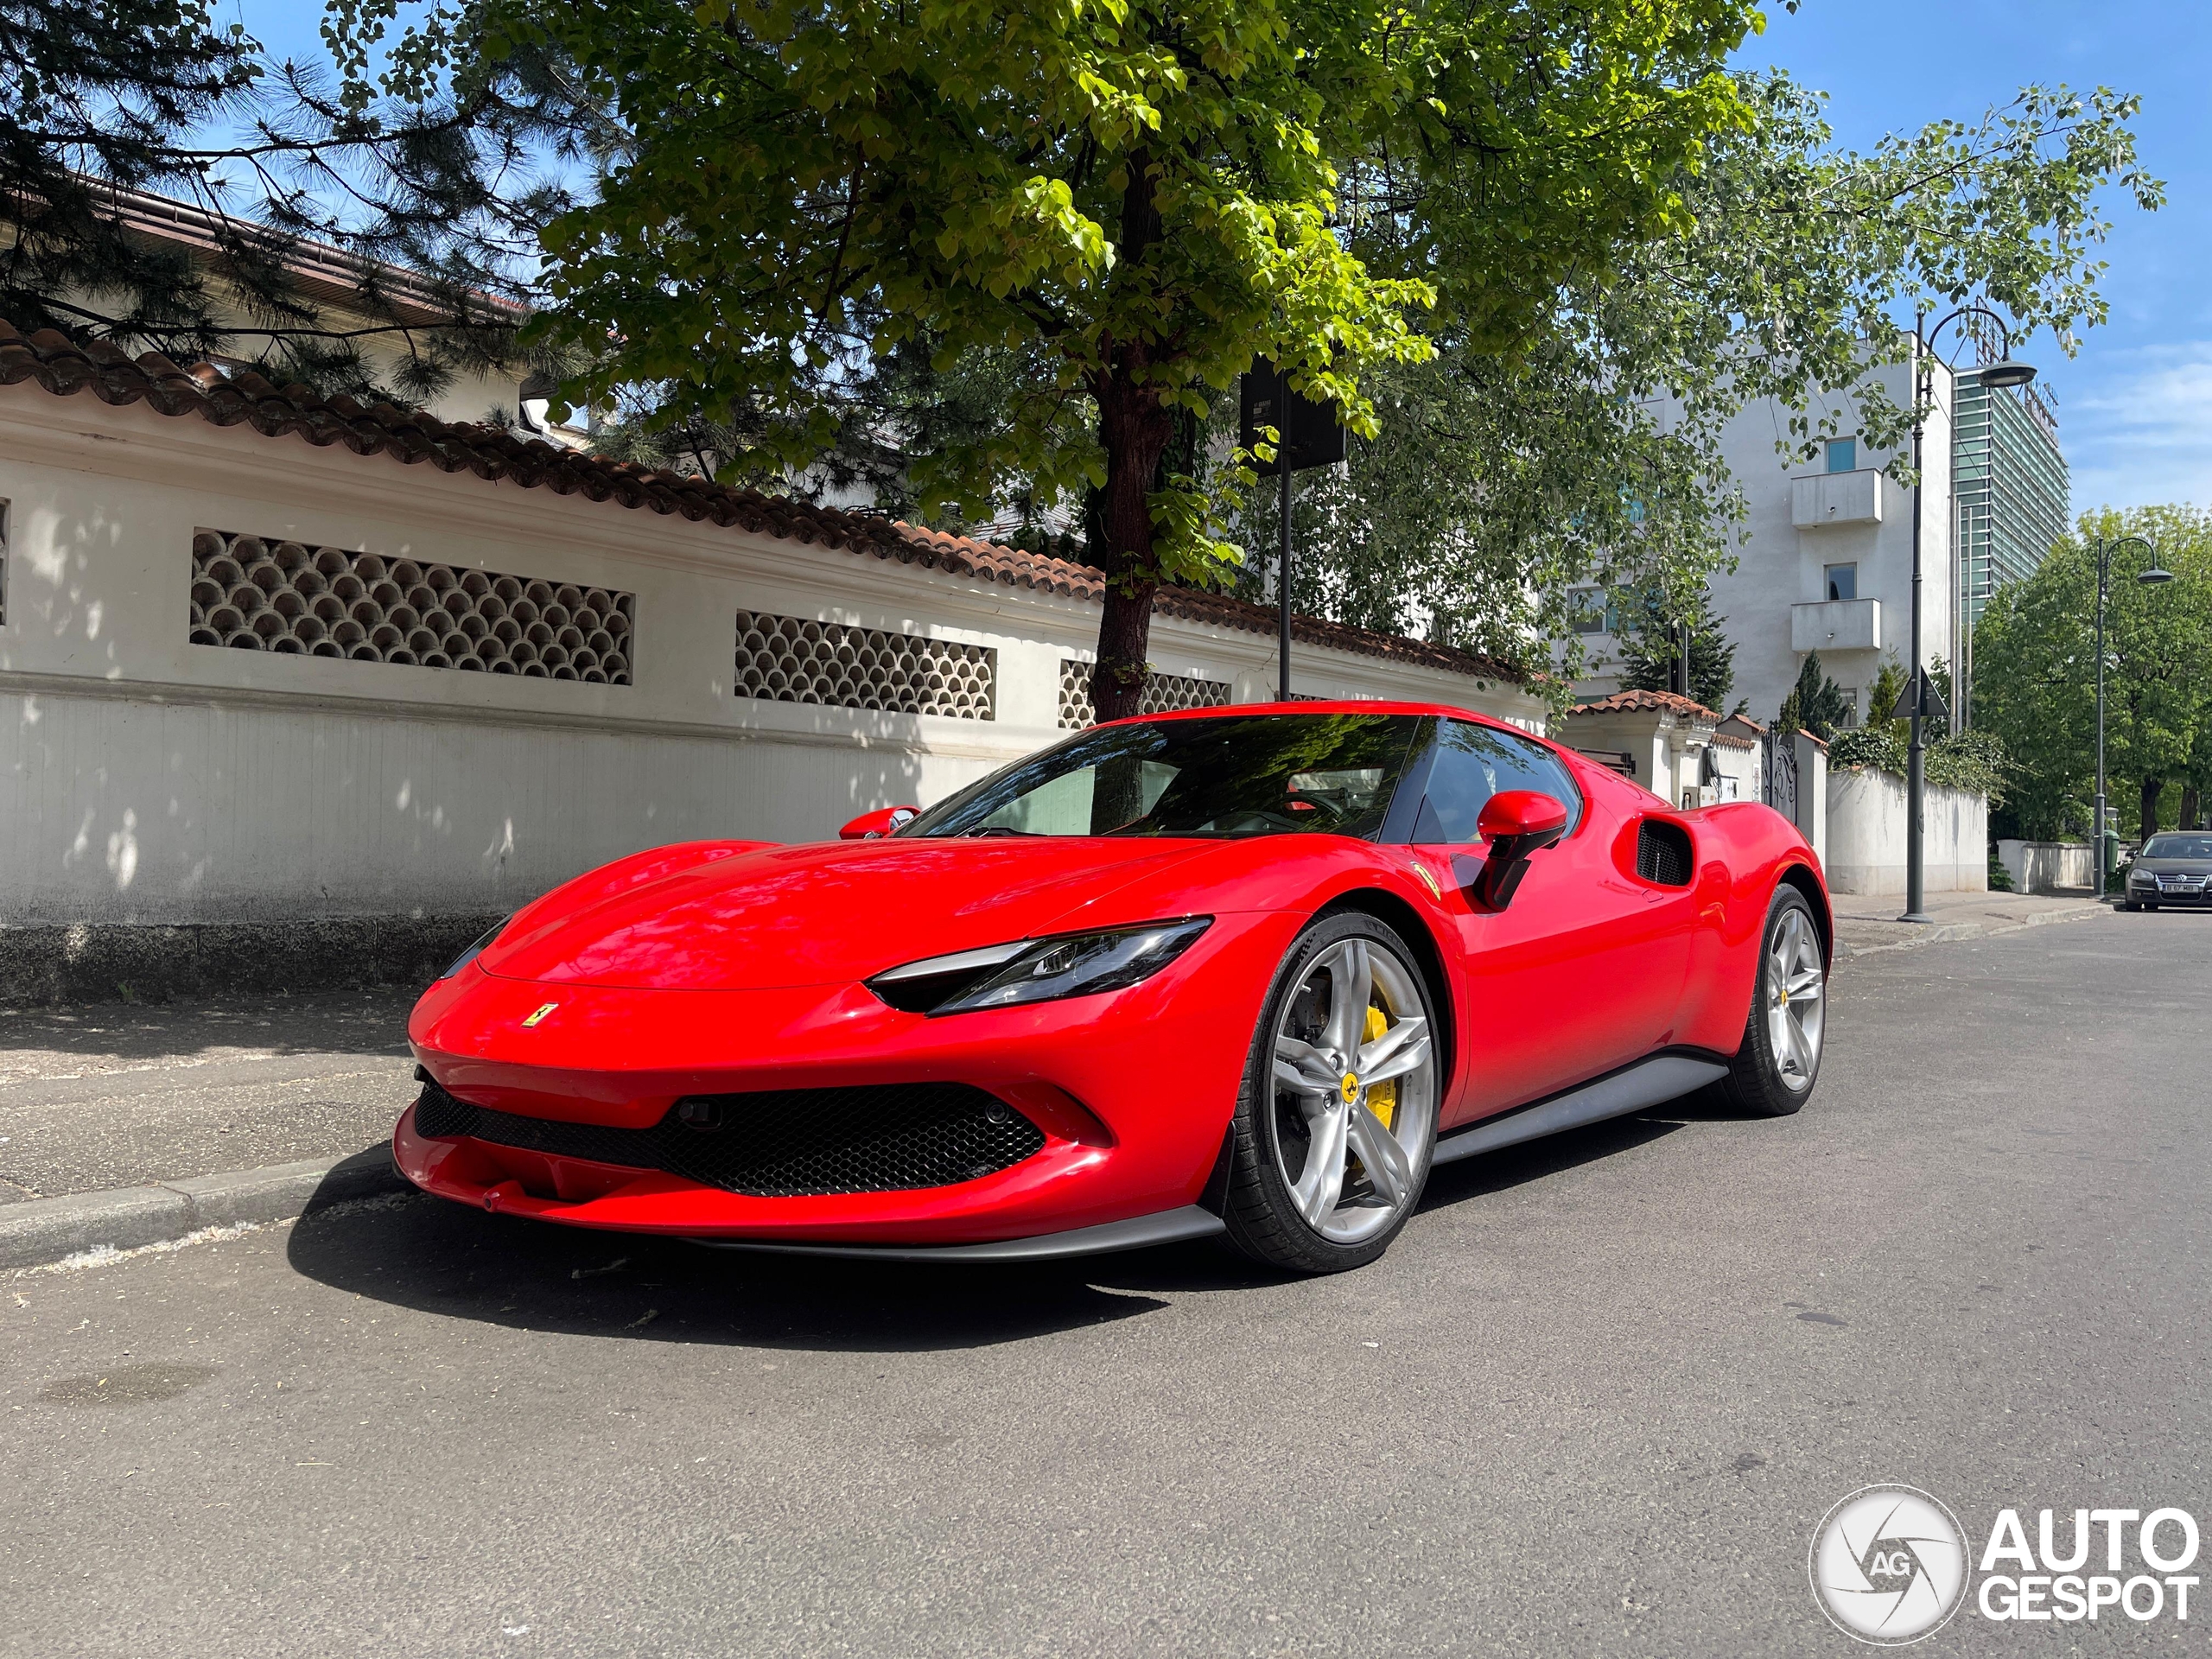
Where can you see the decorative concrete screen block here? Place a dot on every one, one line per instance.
(252, 594)
(1163, 693)
(788, 659)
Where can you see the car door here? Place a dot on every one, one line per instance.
(1582, 972)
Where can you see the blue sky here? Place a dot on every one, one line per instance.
(2135, 406)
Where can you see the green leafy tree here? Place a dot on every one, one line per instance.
(1134, 201)
(2035, 671)
(1500, 484)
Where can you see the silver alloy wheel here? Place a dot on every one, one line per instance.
(1353, 1110)
(1796, 1000)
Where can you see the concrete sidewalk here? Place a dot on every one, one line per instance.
(111, 1096)
(126, 1125)
(95, 1098)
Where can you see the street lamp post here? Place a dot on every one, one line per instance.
(2151, 578)
(2003, 372)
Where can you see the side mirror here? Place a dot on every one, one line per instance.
(873, 826)
(1516, 822)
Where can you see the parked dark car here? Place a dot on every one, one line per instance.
(2171, 869)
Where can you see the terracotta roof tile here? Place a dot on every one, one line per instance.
(64, 368)
(1654, 702)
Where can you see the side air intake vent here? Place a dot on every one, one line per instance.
(1662, 853)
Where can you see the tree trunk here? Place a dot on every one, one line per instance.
(2152, 788)
(1134, 428)
(2189, 804)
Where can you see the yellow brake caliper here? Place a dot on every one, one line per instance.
(1382, 1097)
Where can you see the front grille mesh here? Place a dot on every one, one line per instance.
(780, 1143)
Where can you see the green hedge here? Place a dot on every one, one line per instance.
(1973, 761)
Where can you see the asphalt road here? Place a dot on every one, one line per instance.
(1595, 1399)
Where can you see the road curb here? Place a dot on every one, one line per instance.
(43, 1230)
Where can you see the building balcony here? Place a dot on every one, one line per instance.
(1818, 501)
(1836, 625)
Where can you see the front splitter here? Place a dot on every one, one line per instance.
(1139, 1233)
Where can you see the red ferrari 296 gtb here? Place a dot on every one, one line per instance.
(1252, 971)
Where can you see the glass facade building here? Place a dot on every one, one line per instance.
(2010, 484)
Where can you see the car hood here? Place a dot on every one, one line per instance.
(2174, 866)
(820, 913)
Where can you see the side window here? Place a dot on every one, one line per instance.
(1476, 762)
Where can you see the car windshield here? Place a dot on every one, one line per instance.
(2178, 847)
(1219, 775)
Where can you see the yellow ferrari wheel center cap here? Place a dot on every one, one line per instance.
(1352, 1087)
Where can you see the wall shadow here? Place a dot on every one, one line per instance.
(371, 1020)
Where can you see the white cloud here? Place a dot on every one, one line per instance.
(2142, 434)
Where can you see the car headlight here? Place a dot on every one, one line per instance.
(477, 948)
(1038, 971)
(2143, 876)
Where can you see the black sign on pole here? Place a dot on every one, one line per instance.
(1307, 436)
(1310, 437)
(1920, 688)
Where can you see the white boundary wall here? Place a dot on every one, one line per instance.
(145, 780)
(2048, 866)
(1866, 835)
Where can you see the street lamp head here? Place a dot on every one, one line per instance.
(2007, 372)
(2154, 576)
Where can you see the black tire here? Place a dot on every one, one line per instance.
(1756, 1084)
(2147, 904)
(2129, 904)
(1263, 1219)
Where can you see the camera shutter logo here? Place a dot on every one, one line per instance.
(1889, 1565)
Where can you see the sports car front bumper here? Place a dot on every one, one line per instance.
(1129, 1094)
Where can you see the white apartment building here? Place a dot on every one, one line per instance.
(1827, 564)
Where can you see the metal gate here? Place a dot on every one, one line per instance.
(1780, 755)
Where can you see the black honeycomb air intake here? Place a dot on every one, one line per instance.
(780, 1143)
(1662, 853)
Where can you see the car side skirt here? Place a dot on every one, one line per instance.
(1647, 1082)
(1167, 1227)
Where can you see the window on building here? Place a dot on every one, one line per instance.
(1592, 611)
(1841, 581)
(1843, 454)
